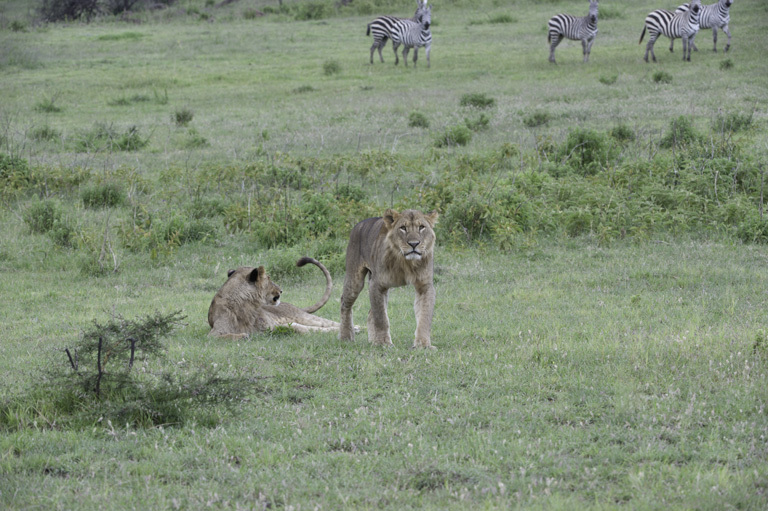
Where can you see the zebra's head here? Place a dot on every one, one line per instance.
(728, 3)
(695, 6)
(424, 16)
(593, 11)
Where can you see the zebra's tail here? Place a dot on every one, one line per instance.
(549, 37)
(642, 35)
(368, 32)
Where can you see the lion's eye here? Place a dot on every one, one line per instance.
(421, 228)
(402, 228)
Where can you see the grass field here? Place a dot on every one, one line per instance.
(600, 319)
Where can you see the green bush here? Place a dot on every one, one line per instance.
(331, 67)
(586, 151)
(623, 133)
(536, 119)
(753, 230)
(105, 195)
(479, 124)
(44, 134)
(46, 217)
(662, 77)
(183, 116)
(477, 100)
(106, 137)
(608, 80)
(454, 136)
(418, 120)
(733, 122)
(680, 133)
(306, 11)
(15, 174)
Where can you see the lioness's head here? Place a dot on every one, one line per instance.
(248, 285)
(411, 232)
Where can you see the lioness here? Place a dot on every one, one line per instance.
(250, 302)
(394, 250)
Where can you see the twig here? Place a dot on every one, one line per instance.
(73, 363)
(133, 351)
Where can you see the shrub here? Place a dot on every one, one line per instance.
(14, 174)
(586, 151)
(44, 134)
(418, 120)
(733, 122)
(310, 11)
(104, 195)
(48, 106)
(536, 119)
(195, 140)
(479, 124)
(753, 230)
(45, 217)
(454, 136)
(662, 77)
(331, 67)
(106, 137)
(681, 132)
(183, 116)
(68, 10)
(477, 100)
(623, 133)
(726, 64)
(502, 18)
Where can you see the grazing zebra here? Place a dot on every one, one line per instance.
(383, 26)
(572, 27)
(712, 16)
(415, 36)
(682, 24)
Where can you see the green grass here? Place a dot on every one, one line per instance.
(600, 318)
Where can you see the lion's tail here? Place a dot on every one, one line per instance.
(328, 282)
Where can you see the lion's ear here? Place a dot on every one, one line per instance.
(256, 274)
(432, 218)
(390, 217)
(230, 272)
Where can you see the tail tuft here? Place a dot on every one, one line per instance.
(642, 35)
(368, 32)
(304, 260)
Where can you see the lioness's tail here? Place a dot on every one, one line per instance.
(328, 282)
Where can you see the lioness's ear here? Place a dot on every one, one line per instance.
(256, 274)
(432, 218)
(390, 217)
(230, 272)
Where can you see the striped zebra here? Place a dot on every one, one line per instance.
(383, 26)
(673, 25)
(575, 28)
(415, 36)
(713, 16)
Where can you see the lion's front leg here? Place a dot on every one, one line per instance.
(378, 320)
(424, 307)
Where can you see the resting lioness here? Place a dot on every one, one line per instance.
(394, 250)
(250, 302)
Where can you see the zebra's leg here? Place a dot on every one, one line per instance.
(406, 49)
(395, 46)
(588, 49)
(671, 45)
(381, 47)
(686, 49)
(649, 46)
(727, 31)
(429, 46)
(555, 40)
(714, 39)
(415, 55)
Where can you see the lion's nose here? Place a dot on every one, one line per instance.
(413, 244)
(276, 298)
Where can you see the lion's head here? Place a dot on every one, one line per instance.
(411, 232)
(246, 290)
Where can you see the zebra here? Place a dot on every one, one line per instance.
(415, 36)
(712, 16)
(673, 25)
(383, 26)
(572, 27)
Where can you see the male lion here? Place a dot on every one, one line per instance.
(394, 250)
(250, 302)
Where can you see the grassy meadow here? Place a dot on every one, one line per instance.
(601, 268)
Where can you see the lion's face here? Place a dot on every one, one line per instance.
(411, 232)
(252, 285)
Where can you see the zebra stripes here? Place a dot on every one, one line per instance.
(575, 28)
(383, 27)
(415, 36)
(684, 25)
(712, 16)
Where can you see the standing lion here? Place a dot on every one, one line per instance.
(249, 302)
(394, 250)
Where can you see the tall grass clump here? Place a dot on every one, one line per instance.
(458, 135)
(183, 116)
(732, 121)
(536, 119)
(15, 174)
(105, 137)
(681, 132)
(46, 217)
(662, 77)
(105, 195)
(418, 120)
(477, 100)
(331, 67)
